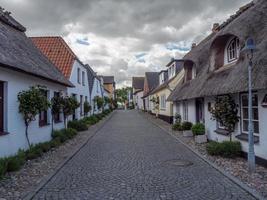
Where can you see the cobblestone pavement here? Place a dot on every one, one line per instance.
(130, 158)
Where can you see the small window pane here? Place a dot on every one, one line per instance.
(255, 113)
(245, 113)
(256, 127)
(255, 100)
(244, 100)
(245, 125)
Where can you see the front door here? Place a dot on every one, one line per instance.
(1, 106)
(200, 110)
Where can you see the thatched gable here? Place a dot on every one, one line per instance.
(19, 53)
(251, 22)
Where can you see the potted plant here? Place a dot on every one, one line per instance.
(177, 127)
(186, 126)
(199, 132)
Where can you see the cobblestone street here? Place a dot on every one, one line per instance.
(130, 158)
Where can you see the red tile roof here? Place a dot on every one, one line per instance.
(57, 51)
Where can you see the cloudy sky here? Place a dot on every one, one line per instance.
(123, 38)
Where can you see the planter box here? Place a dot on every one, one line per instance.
(201, 139)
(187, 133)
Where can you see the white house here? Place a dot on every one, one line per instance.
(221, 69)
(22, 65)
(138, 91)
(61, 55)
(95, 88)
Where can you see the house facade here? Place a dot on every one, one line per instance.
(22, 66)
(138, 92)
(221, 69)
(109, 85)
(168, 79)
(150, 83)
(60, 54)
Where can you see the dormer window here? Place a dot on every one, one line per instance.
(161, 78)
(171, 71)
(233, 50)
(190, 71)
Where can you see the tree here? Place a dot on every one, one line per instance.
(99, 102)
(87, 107)
(106, 101)
(225, 112)
(122, 94)
(70, 104)
(31, 103)
(56, 107)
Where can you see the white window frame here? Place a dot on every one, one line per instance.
(253, 107)
(232, 50)
(185, 111)
(83, 78)
(163, 102)
(79, 75)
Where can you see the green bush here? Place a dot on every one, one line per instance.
(14, 163)
(70, 132)
(55, 142)
(3, 167)
(226, 149)
(59, 134)
(91, 120)
(78, 125)
(198, 129)
(46, 146)
(34, 152)
(186, 126)
(177, 127)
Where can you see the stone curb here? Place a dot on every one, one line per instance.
(251, 191)
(95, 129)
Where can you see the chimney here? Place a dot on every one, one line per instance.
(193, 45)
(215, 27)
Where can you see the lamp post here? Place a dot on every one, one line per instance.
(249, 49)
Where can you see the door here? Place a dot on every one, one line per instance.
(200, 110)
(1, 107)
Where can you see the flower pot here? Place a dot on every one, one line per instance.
(187, 133)
(201, 139)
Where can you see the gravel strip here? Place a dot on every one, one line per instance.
(236, 167)
(18, 184)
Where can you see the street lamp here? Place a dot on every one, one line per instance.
(249, 49)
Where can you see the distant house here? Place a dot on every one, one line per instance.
(61, 55)
(150, 83)
(168, 79)
(109, 84)
(22, 65)
(138, 91)
(221, 69)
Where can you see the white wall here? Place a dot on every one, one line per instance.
(16, 82)
(96, 91)
(211, 126)
(138, 100)
(79, 88)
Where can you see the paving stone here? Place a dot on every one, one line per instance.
(124, 160)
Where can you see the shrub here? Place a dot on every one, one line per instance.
(70, 133)
(186, 126)
(14, 163)
(78, 125)
(226, 149)
(198, 129)
(59, 134)
(34, 152)
(177, 127)
(3, 167)
(46, 146)
(55, 143)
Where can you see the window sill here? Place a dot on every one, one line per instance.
(244, 137)
(222, 132)
(43, 125)
(3, 133)
(226, 66)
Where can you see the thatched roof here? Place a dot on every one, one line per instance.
(138, 83)
(19, 53)
(249, 21)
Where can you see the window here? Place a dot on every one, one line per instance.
(74, 112)
(163, 102)
(233, 50)
(43, 114)
(185, 111)
(57, 115)
(79, 75)
(81, 105)
(244, 113)
(83, 78)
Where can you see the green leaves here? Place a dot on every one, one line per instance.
(32, 102)
(99, 102)
(86, 107)
(70, 104)
(225, 112)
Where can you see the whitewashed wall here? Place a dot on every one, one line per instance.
(96, 91)
(79, 89)
(138, 100)
(211, 126)
(16, 82)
